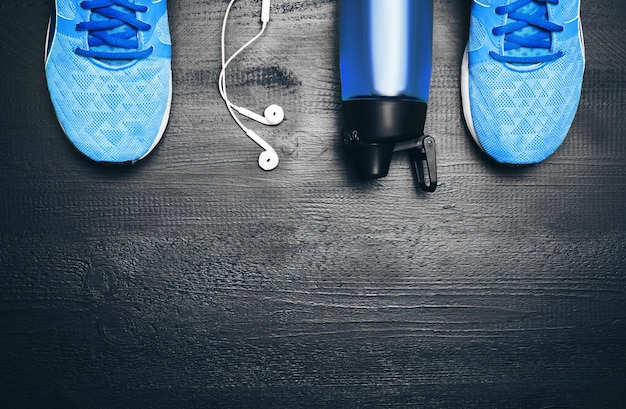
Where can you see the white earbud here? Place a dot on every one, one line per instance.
(273, 115)
(268, 159)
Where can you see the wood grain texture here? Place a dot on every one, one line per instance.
(196, 280)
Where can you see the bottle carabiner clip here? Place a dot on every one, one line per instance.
(424, 158)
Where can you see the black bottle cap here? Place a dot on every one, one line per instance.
(372, 160)
(375, 128)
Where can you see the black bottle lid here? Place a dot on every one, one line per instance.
(375, 128)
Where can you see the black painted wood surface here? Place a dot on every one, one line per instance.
(196, 280)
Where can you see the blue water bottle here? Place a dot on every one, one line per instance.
(385, 67)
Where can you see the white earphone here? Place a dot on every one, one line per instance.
(273, 115)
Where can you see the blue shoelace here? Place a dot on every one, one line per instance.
(113, 24)
(541, 39)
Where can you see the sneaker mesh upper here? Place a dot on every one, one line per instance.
(521, 114)
(110, 112)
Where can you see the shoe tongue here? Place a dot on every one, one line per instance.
(528, 31)
(125, 27)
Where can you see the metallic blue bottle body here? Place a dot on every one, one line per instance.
(386, 49)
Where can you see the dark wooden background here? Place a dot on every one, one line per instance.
(196, 280)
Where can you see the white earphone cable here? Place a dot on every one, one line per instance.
(222, 77)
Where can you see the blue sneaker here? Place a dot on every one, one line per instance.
(522, 76)
(108, 67)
